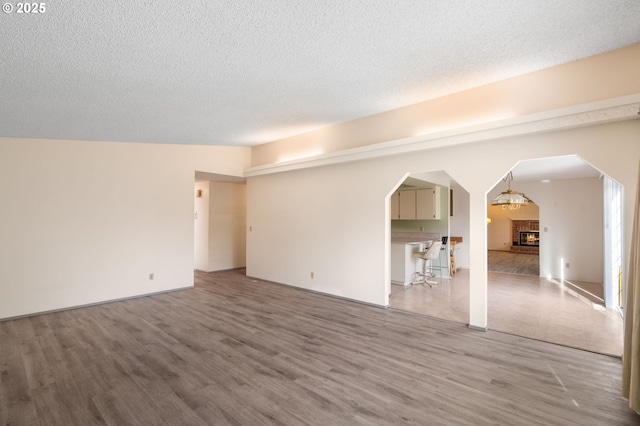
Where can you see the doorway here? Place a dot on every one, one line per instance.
(564, 303)
(449, 298)
(219, 222)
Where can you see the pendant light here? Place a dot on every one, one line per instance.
(510, 199)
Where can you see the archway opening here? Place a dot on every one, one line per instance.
(564, 302)
(425, 207)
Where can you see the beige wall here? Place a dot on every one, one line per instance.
(593, 79)
(85, 222)
(201, 227)
(227, 225)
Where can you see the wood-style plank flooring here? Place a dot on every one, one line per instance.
(239, 352)
(513, 263)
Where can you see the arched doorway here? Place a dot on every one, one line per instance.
(564, 303)
(449, 299)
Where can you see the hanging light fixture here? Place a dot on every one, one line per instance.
(510, 199)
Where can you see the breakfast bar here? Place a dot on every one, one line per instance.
(405, 247)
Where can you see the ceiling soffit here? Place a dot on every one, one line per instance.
(620, 109)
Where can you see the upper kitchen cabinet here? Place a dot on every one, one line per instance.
(428, 203)
(412, 204)
(407, 205)
(403, 205)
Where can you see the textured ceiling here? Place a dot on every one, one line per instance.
(554, 168)
(239, 72)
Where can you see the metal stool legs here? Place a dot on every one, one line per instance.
(432, 253)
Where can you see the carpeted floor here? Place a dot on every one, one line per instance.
(514, 263)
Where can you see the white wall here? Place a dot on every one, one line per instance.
(571, 210)
(85, 222)
(323, 220)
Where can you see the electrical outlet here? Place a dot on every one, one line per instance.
(151, 276)
(312, 275)
(567, 265)
(422, 229)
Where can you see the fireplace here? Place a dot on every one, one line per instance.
(530, 238)
(525, 236)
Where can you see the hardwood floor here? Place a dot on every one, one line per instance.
(513, 263)
(234, 351)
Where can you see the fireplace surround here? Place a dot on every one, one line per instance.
(525, 236)
(530, 238)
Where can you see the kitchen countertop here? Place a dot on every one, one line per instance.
(413, 237)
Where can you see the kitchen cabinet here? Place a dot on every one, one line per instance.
(412, 204)
(428, 203)
(407, 204)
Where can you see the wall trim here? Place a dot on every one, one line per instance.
(88, 305)
(594, 113)
(320, 293)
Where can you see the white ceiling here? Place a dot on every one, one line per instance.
(553, 168)
(241, 72)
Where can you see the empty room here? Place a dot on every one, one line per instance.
(320, 213)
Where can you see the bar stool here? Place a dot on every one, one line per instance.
(432, 253)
